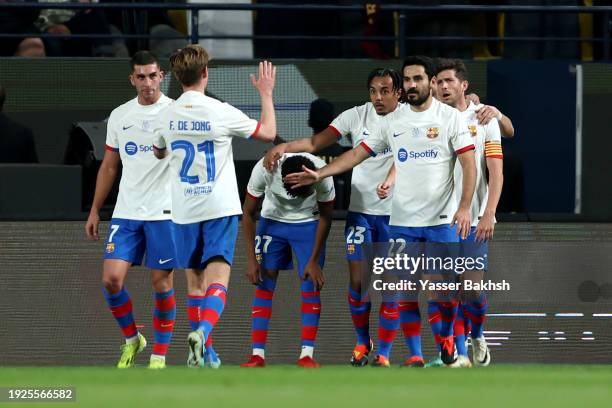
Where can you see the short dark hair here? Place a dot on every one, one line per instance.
(2, 97)
(396, 78)
(426, 62)
(143, 58)
(293, 164)
(455, 64)
(320, 115)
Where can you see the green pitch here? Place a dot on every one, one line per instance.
(510, 385)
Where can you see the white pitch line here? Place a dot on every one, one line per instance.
(498, 332)
(559, 332)
(602, 314)
(560, 338)
(494, 344)
(587, 332)
(518, 315)
(569, 314)
(543, 338)
(542, 332)
(588, 338)
(496, 338)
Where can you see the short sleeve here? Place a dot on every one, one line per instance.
(341, 125)
(493, 146)
(378, 140)
(112, 140)
(238, 123)
(257, 183)
(459, 135)
(325, 190)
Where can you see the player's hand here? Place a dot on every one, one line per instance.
(91, 227)
(305, 178)
(463, 222)
(485, 113)
(485, 228)
(475, 99)
(315, 274)
(264, 82)
(253, 273)
(383, 190)
(273, 156)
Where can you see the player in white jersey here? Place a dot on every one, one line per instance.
(291, 219)
(426, 138)
(141, 219)
(452, 82)
(368, 217)
(196, 131)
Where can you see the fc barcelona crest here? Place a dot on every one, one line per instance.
(350, 248)
(110, 248)
(433, 132)
(472, 129)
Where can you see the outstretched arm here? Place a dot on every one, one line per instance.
(343, 163)
(319, 141)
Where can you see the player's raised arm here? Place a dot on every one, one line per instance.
(264, 83)
(317, 142)
(104, 183)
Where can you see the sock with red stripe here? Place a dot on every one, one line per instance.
(214, 303)
(459, 332)
(311, 312)
(163, 321)
(261, 313)
(388, 323)
(410, 321)
(193, 310)
(435, 321)
(448, 312)
(360, 314)
(120, 306)
(477, 313)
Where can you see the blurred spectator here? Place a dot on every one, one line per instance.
(73, 21)
(20, 21)
(17, 141)
(154, 22)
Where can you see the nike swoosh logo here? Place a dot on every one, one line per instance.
(127, 127)
(366, 133)
(398, 134)
(164, 261)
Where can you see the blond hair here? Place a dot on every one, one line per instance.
(188, 63)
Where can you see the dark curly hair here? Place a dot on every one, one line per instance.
(293, 164)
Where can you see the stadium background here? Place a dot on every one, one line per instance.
(51, 291)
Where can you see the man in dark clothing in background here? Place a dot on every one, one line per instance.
(17, 141)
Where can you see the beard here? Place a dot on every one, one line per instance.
(419, 100)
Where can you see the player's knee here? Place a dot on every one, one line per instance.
(112, 284)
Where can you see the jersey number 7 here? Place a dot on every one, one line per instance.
(208, 147)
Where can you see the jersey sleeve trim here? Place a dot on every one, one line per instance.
(111, 148)
(256, 131)
(465, 149)
(493, 150)
(333, 200)
(371, 152)
(159, 148)
(336, 131)
(254, 197)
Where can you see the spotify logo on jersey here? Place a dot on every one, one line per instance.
(402, 155)
(131, 148)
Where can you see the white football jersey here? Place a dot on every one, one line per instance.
(425, 146)
(487, 139)
(198, 131)
(278, 205)
(144, 189)
(360, 123)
